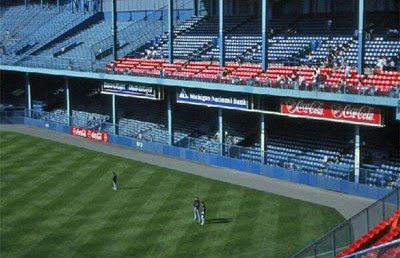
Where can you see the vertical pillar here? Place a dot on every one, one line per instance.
(221, 34)
(357, 154)
(195, 8)
(28, 94)
(58, 5)
(67, 101)
(170, 31)
(41, 3)
(264, 35)
(114, 29)
(221, 131)
(361, 37)
(170, 120)
(262, 137)
(114, 113)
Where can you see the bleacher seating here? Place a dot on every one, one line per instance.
(383, 82)
(25, 30)
(386, 231)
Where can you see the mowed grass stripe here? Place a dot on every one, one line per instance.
(69, 204)
(29, 225)
(144, 196)
(27, 177)
(95, 219)
(54, 179)
(74, 212)
(172, 214)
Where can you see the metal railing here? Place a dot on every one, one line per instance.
(340, 237)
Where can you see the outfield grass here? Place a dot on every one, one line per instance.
(57, 201)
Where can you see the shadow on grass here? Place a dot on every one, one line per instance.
(219, 220)
(128, 187)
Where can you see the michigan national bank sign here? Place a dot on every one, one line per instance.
(212, 99)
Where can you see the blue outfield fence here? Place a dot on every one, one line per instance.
(285, 174)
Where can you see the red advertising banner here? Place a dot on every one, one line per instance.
(341, 112)
(89, 134)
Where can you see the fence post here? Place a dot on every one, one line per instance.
(334, 243)
(383, 209)
(315, 250)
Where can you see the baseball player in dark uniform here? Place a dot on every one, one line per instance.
(115, 181)
(196, 209)
(203, 213)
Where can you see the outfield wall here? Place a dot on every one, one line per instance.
(341, 186)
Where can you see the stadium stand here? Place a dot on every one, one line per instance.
(384, 232)
(304, 54)
(26, 30)
(333, 80)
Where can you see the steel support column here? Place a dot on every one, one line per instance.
(264, 35)
(361, 37)
(58, 5)
(28, 94)
(221, 134)
(114, 113)
(67, 101)
(114, 29)
(357, 154)
(221, 41)
(196, 8)
(262, 137)
(170, 120)
(170, 31)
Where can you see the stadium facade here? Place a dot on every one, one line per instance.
(286, 89)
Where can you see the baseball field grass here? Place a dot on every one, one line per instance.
(57, 201)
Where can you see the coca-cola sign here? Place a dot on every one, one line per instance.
(89, 134)
(345, 112)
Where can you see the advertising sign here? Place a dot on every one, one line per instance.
(89, 134)
(131, 90)
(212, 98)
(344, 112)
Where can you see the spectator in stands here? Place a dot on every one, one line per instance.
(216, 136)
(153, 54)
(70, 64)
(162, 72)
(397, 61)
(148, 53)
(224, 71)
(342, 86)
(302, 82)
(317, 80)
(278, 80)
(392, 64)
(347, 70)
(372, 90)
(250, 81)
(381, 63)
(362, 87)
(329, 24)
(257, 81)
(355, 35)
(268, 82)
